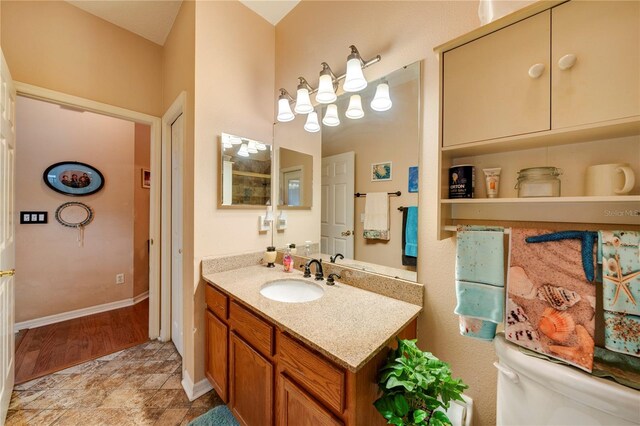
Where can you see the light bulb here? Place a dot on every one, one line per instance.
(354, 81)
(326, 94)
(331, 118)
(354, 111)
(303, 102)
(312, 125)
(243, 151)
(381, 101)
(284, 110)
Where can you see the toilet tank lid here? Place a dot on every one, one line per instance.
(601, 394)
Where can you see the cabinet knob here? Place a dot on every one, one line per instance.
(536, 70)
(567, 61)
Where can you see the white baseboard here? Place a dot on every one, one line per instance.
(194, 391)
(52, 319)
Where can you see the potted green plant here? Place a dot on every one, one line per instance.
(414, 386)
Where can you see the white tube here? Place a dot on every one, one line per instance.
(492, 180)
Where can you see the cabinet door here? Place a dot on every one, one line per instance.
(487, 90)
(297, 408)
(217, 354)
(251, 384)
(604, 82)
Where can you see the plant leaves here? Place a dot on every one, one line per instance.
(401, 405)
(440, 417)
(419, 416)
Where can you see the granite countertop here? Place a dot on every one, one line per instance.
(347, 324)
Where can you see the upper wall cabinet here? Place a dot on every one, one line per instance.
(573, 65)
(604, 81)
(488, 90)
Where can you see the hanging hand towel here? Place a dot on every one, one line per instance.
(550, 303)
(480, 301)
(376, 216)
(480, 255)
(411, 232)
(408, 260)
(621, 290)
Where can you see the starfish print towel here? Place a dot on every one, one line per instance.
(550, 302)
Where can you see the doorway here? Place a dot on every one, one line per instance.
(337, 188)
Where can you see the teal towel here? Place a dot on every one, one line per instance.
(480, 301)
(480, 255)
(217, 416)
(411, 233)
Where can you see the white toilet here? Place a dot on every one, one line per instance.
(533, 391)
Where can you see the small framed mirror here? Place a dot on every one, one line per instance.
(295, 177)
(245, 177)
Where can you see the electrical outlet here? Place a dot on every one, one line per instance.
(119, 278)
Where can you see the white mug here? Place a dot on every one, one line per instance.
(609, 179)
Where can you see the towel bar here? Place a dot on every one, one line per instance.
(397, 194)
(455, 229)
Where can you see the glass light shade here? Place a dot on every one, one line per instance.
(268, 217)
(312, 125)
(243, 151)
(261, 146)
(235, 140)
(252, 148)
(326, 94)
(303, 102)
(227, 145)
(381, 101)
(354, 111)
(284, 110)
(331, 118)
(354, 81)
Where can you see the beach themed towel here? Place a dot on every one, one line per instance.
(550, 303)
(620, 251)
(376, 216)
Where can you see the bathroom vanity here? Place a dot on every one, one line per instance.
(312, 363)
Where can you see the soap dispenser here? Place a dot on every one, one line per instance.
(270, 257)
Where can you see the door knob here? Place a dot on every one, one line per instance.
(346, 233)
(8, 273)
(567, 61)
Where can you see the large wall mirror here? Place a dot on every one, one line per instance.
(377, 153)
(245, 166)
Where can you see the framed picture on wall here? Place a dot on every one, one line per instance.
(73, 178)
(413, 179)
(381, 171)
(146, 178)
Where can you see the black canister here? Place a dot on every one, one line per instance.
(462, 181)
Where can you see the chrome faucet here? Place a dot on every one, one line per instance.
(319, 272)
(333, 259)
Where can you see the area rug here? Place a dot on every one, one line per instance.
(218, 416)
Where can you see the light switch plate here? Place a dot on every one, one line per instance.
(263, 225)
(27, 218)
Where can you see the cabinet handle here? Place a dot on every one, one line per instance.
(567, 61)
(536, 70)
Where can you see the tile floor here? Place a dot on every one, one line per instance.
(136, 386)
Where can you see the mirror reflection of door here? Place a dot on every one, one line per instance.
(293, 188)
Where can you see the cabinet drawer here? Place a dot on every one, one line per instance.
(216, 301)
(322, 379)
(254, 330)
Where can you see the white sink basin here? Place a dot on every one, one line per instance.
(292, 291)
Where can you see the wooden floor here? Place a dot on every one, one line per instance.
(51, 348)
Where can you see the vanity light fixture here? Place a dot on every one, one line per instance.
(252, 148)
(354, 111)
(303, 101)
(284, 106)
(331, 118)
(226, 141)
(235, 140)
(244, 150)
(312, 125)
(381, 100)
(327, 85)
(261, 146)
(354, 80)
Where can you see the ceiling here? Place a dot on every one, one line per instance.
(153, 19)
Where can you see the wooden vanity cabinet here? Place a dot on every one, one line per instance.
(275, 379)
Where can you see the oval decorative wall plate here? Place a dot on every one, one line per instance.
(74, 214)
(73, 178)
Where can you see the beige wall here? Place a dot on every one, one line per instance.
(392, 136)
(141, 198)
(234, 86)
(55, 45)
(56, 275)
(402, 32)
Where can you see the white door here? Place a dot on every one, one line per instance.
(7, 242)
(336, 222)
(176, 232)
